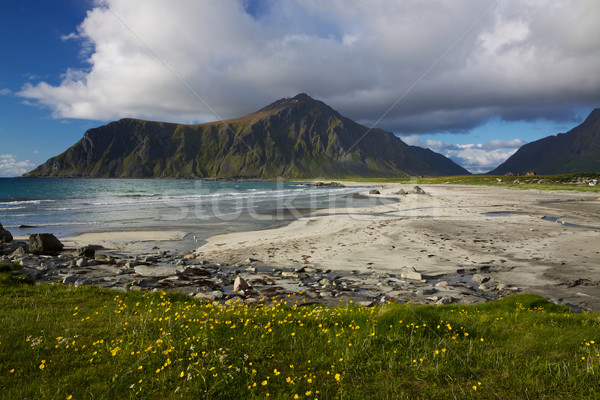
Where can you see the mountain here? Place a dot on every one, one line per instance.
(297, 137)
(575, 151)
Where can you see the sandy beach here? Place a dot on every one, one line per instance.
(544, 242)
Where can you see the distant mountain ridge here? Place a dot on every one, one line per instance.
(296, 137)
(575, 151)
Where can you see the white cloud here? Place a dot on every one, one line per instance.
(5, 92)
(475, 157)
(11, 166)
(149, 59)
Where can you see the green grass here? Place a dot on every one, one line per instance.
(61, 342)
(578, 182)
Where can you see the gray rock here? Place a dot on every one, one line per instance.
(401, 192)
(411, 274)
(130, 264)
(478, 279)
(44, 243)
(81, 262)
(214, 295)
(144, 282)
(445, 300)
(5, 236)
(86, 251)
(441, 284)
(19, 252)
(251, 269)
(69, 279)
(426, 291)
(374, 191)
(240, 284)
(84, 282)
(29, 262)
(418, 190)
(487, 287)
(156, 270)
(324, 282)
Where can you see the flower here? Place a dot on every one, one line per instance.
(337, 377)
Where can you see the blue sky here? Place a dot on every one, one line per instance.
(472, 80)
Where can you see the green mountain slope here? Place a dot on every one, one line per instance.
(295, 138)
(575, 151)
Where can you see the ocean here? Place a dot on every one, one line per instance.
(68, 207)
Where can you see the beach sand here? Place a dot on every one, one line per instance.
(450, 230)
(127, 241)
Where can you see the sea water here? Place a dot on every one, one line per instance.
(67, 207)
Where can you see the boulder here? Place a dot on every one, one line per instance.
(86, 251)
(374, 191)
(479, 279)
(81, 262)
(418, 190)
(19, 252)
(5, 236)
(240, 284)
(411, 274)
(44, 243)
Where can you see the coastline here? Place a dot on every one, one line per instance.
(452, 244)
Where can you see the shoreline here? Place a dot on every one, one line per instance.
(453, 244)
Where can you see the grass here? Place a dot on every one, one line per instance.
(578, 182)
(62, 342)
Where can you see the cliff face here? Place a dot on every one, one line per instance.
(575, 151)
(295, 138)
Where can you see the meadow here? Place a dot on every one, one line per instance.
(577, 182)
(63, 342)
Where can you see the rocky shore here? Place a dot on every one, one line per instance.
(250, 281)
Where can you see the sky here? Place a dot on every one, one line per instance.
(471, 79)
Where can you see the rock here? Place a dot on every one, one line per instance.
(411, 274)
(418, 190)
(366, 303)
(401, 192)
(86, 251)
(324, 282)
(44, 243)
(374, 191)
(69, 279)
(81, 262)
(445, 300)
(251, 269)
(426, 291)
(240, 284)
(130, 264)
(487, 287)
(5, 236)
(30, 262)
(478, 279)
(19, 252)
(155, 271)
(84, 282)
(441, 284)
(144, 282)
(214, 295)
